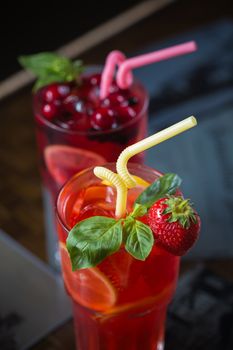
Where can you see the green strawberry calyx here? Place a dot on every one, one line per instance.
(180, 210)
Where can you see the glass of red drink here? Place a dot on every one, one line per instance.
(122, 302)
(76, 130)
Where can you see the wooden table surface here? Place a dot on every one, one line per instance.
(21, 212)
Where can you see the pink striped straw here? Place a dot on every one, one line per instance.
(124, 77)
(115, 58)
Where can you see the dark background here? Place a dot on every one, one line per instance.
(46, 26)
(31, 27)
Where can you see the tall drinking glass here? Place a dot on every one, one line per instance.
(64, 151)
(122, 302)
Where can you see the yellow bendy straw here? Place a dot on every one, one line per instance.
(114, 180)
(149, 142)
(123, 179)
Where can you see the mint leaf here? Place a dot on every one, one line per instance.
(46, 80)
(92, 240)
(163, 186)
(140, 239)
(39, 63)
(50, 67)
(78, 66)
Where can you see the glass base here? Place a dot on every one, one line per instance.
(128, 330)
(50, 231)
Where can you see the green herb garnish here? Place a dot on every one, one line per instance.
(50, 67)
(93, 239)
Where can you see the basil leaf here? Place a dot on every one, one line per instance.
(127, 228)
(139, 210)
(163, 186)
(139, 240)
(92, 240)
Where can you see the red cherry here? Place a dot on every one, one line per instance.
(94, 96)
(82, 122)
(124, 114)
(116, 98)
(93, 79)
(73, 104)
(89, 107)
(132, 101)
(89, 89)
(63, 90)
(50, 110)
(76, 121)
(55, 92)
(83, 91)
(114, 87)
(103, 119)
(89, 93)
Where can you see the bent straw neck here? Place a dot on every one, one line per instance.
(147, 143)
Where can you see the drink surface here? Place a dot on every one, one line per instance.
(77, 106)
(121, 303)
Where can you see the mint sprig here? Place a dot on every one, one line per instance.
(50, 67)
(93, 239)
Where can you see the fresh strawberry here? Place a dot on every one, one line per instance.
(175, 224)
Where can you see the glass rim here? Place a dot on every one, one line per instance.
(73, 179)
(139, 115)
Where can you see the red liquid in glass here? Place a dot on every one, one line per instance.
(121, 303)
(76, 130)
